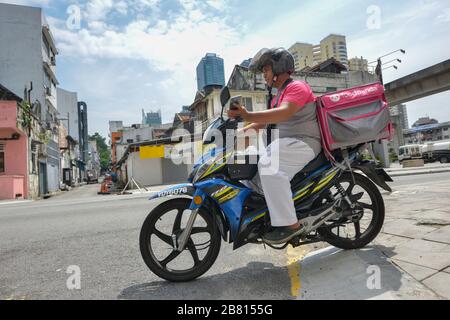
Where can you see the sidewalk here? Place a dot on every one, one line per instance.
(396, 170)
(416, 233)
(411, 254)
(365, 274)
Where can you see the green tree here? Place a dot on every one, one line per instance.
(103, 150)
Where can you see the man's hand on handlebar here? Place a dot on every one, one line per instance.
(237, 111)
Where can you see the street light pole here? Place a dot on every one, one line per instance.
(394, 60)
(395, 67)
(378, 71)
(379, 68)
(388, 54)
(381, 146)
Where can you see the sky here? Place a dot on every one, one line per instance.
(127, 55)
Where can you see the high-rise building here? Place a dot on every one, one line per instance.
(210, 72)
(68, 110)
(403, 115)
(28, 61)
(358, 64)
(303, 55)
(399, 118)
(28, 54)
(152, 118)
(317, 54)
(334, 46)
(308, 55)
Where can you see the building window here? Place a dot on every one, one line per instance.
(2, 158)
(47, 80)
(33, 162)
(248, 103)
(260, 100)
(46, 46)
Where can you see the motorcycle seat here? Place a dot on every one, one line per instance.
(317, 163)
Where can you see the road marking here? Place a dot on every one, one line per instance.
(293, 265)
(15, 202)
(10, 298)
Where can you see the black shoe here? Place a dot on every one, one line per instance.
(281, 235)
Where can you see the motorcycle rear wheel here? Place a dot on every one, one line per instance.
(369, 191)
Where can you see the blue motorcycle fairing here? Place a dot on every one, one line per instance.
(178, 190)
(231, 208)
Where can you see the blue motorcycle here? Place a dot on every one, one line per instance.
(181, 238)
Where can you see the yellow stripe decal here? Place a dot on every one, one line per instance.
(217, 195)
(259, 216)
(215, 166)
(229, 196)
(302, 192)
(301, 195)
(325, 181)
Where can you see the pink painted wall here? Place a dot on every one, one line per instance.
(15, 178)
(10, 186)
(8, 114)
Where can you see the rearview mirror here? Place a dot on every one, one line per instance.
(224, 96)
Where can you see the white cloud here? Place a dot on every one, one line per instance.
(122, 7)
(217, 4)
(175, 48)
(98, 9)
(444, 17)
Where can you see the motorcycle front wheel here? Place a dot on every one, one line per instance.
(163, 225)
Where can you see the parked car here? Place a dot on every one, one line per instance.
(92, 176)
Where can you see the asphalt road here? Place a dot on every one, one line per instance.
(40, 241)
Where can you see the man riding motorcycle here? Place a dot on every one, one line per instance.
(293, 114)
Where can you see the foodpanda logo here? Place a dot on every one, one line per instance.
(353, 94)
(335, 98)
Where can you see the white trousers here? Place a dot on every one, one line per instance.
(280, 162)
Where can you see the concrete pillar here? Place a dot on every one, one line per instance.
(381, 150)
